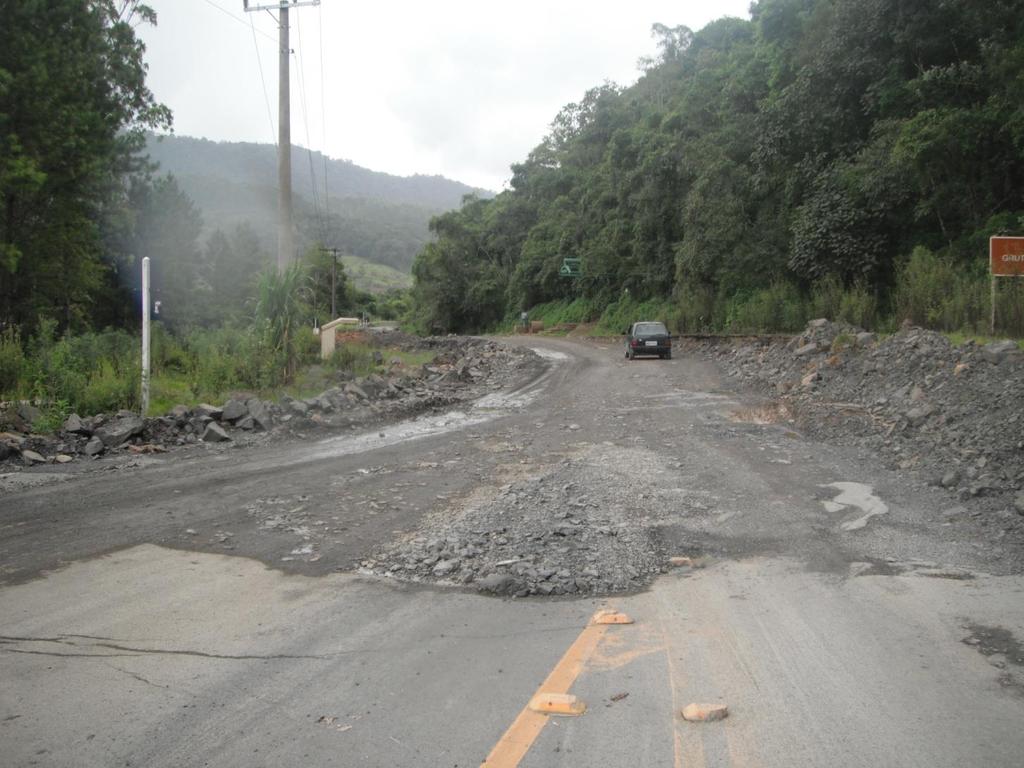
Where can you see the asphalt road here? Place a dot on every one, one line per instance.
(208, 609)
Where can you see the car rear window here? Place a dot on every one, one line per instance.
(649, 329)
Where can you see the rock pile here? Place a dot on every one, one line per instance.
(576, 529)
(951, 413)
(463, 368)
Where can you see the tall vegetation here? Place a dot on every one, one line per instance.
(837, 156)
(74, 108)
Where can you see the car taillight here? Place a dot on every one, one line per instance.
(668, 342)
(634, 343)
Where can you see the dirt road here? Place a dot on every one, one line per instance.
(318, 604)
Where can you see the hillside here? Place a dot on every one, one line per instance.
(375, 216)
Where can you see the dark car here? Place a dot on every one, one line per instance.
(648, 338)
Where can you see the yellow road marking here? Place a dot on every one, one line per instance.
(517, 740)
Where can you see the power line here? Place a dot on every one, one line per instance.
(305, 122)
(266, 97)
(323, 106)
(239, 19)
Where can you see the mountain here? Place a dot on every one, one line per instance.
(375, 216)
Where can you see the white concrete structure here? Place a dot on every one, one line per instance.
(328, 334)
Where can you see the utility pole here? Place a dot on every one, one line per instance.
(334, 271)
(285, 230)
(144, 400)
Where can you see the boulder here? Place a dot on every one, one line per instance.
(94, 447)
(1018, 503)
(75, 425)
(865, 339)
(214, 433)
(233, 411)
(298, 407)
(119, 430)
(496, 583)
(998, 351)
(806, 349)
(28, 414)
(180, 413)
(260, 413)
(354, 389)
(31, 457)
(210, 411)
(247, 423)
(5, 451)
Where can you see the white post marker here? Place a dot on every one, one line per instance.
(145, 336)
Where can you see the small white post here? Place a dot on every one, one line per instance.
(145, 335)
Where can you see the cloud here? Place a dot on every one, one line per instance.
(459, 88)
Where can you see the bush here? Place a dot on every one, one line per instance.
(856, 305)
(778, 308)
(695, 309)
(12, 363)
(932, 292)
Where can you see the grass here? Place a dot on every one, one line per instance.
(173, 388)
(375, 278)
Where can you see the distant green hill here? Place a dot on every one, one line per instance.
(379, 218)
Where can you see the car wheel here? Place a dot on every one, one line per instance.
(668, 355)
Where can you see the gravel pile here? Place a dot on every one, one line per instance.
(578, 528)
(463, 369)
(952, 414)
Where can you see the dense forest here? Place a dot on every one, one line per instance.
(841, 156)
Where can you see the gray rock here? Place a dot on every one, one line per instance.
(28, 413)
(865, 339)
(247, 423)
(820, 322)
(354, 389)
(496, 583)
(445, 567)
(917, 416)
(214, 433)
(6, 451)
(298, 407)
(74, 424)
(233, 411)
(180, 413)
(1018, 503)
(260, 414)
(950, 479)
(31, 457)
(998, 351)
(210, 411)
(119, 430)
(94, 447)
(806, 349)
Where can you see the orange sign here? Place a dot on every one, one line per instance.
(1006, 256)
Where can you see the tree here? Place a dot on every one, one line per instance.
(73, 110)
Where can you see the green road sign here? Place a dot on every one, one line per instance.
(570, 268)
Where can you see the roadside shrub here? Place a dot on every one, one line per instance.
(778, 308)
(855, 304)
(933, 292)
(619, 315)
(109, 389)
(695, 309)
(12, 362)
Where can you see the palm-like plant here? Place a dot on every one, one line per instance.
(279, 310)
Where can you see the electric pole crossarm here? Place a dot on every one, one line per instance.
(278, 6)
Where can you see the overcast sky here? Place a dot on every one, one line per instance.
(461, 89)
